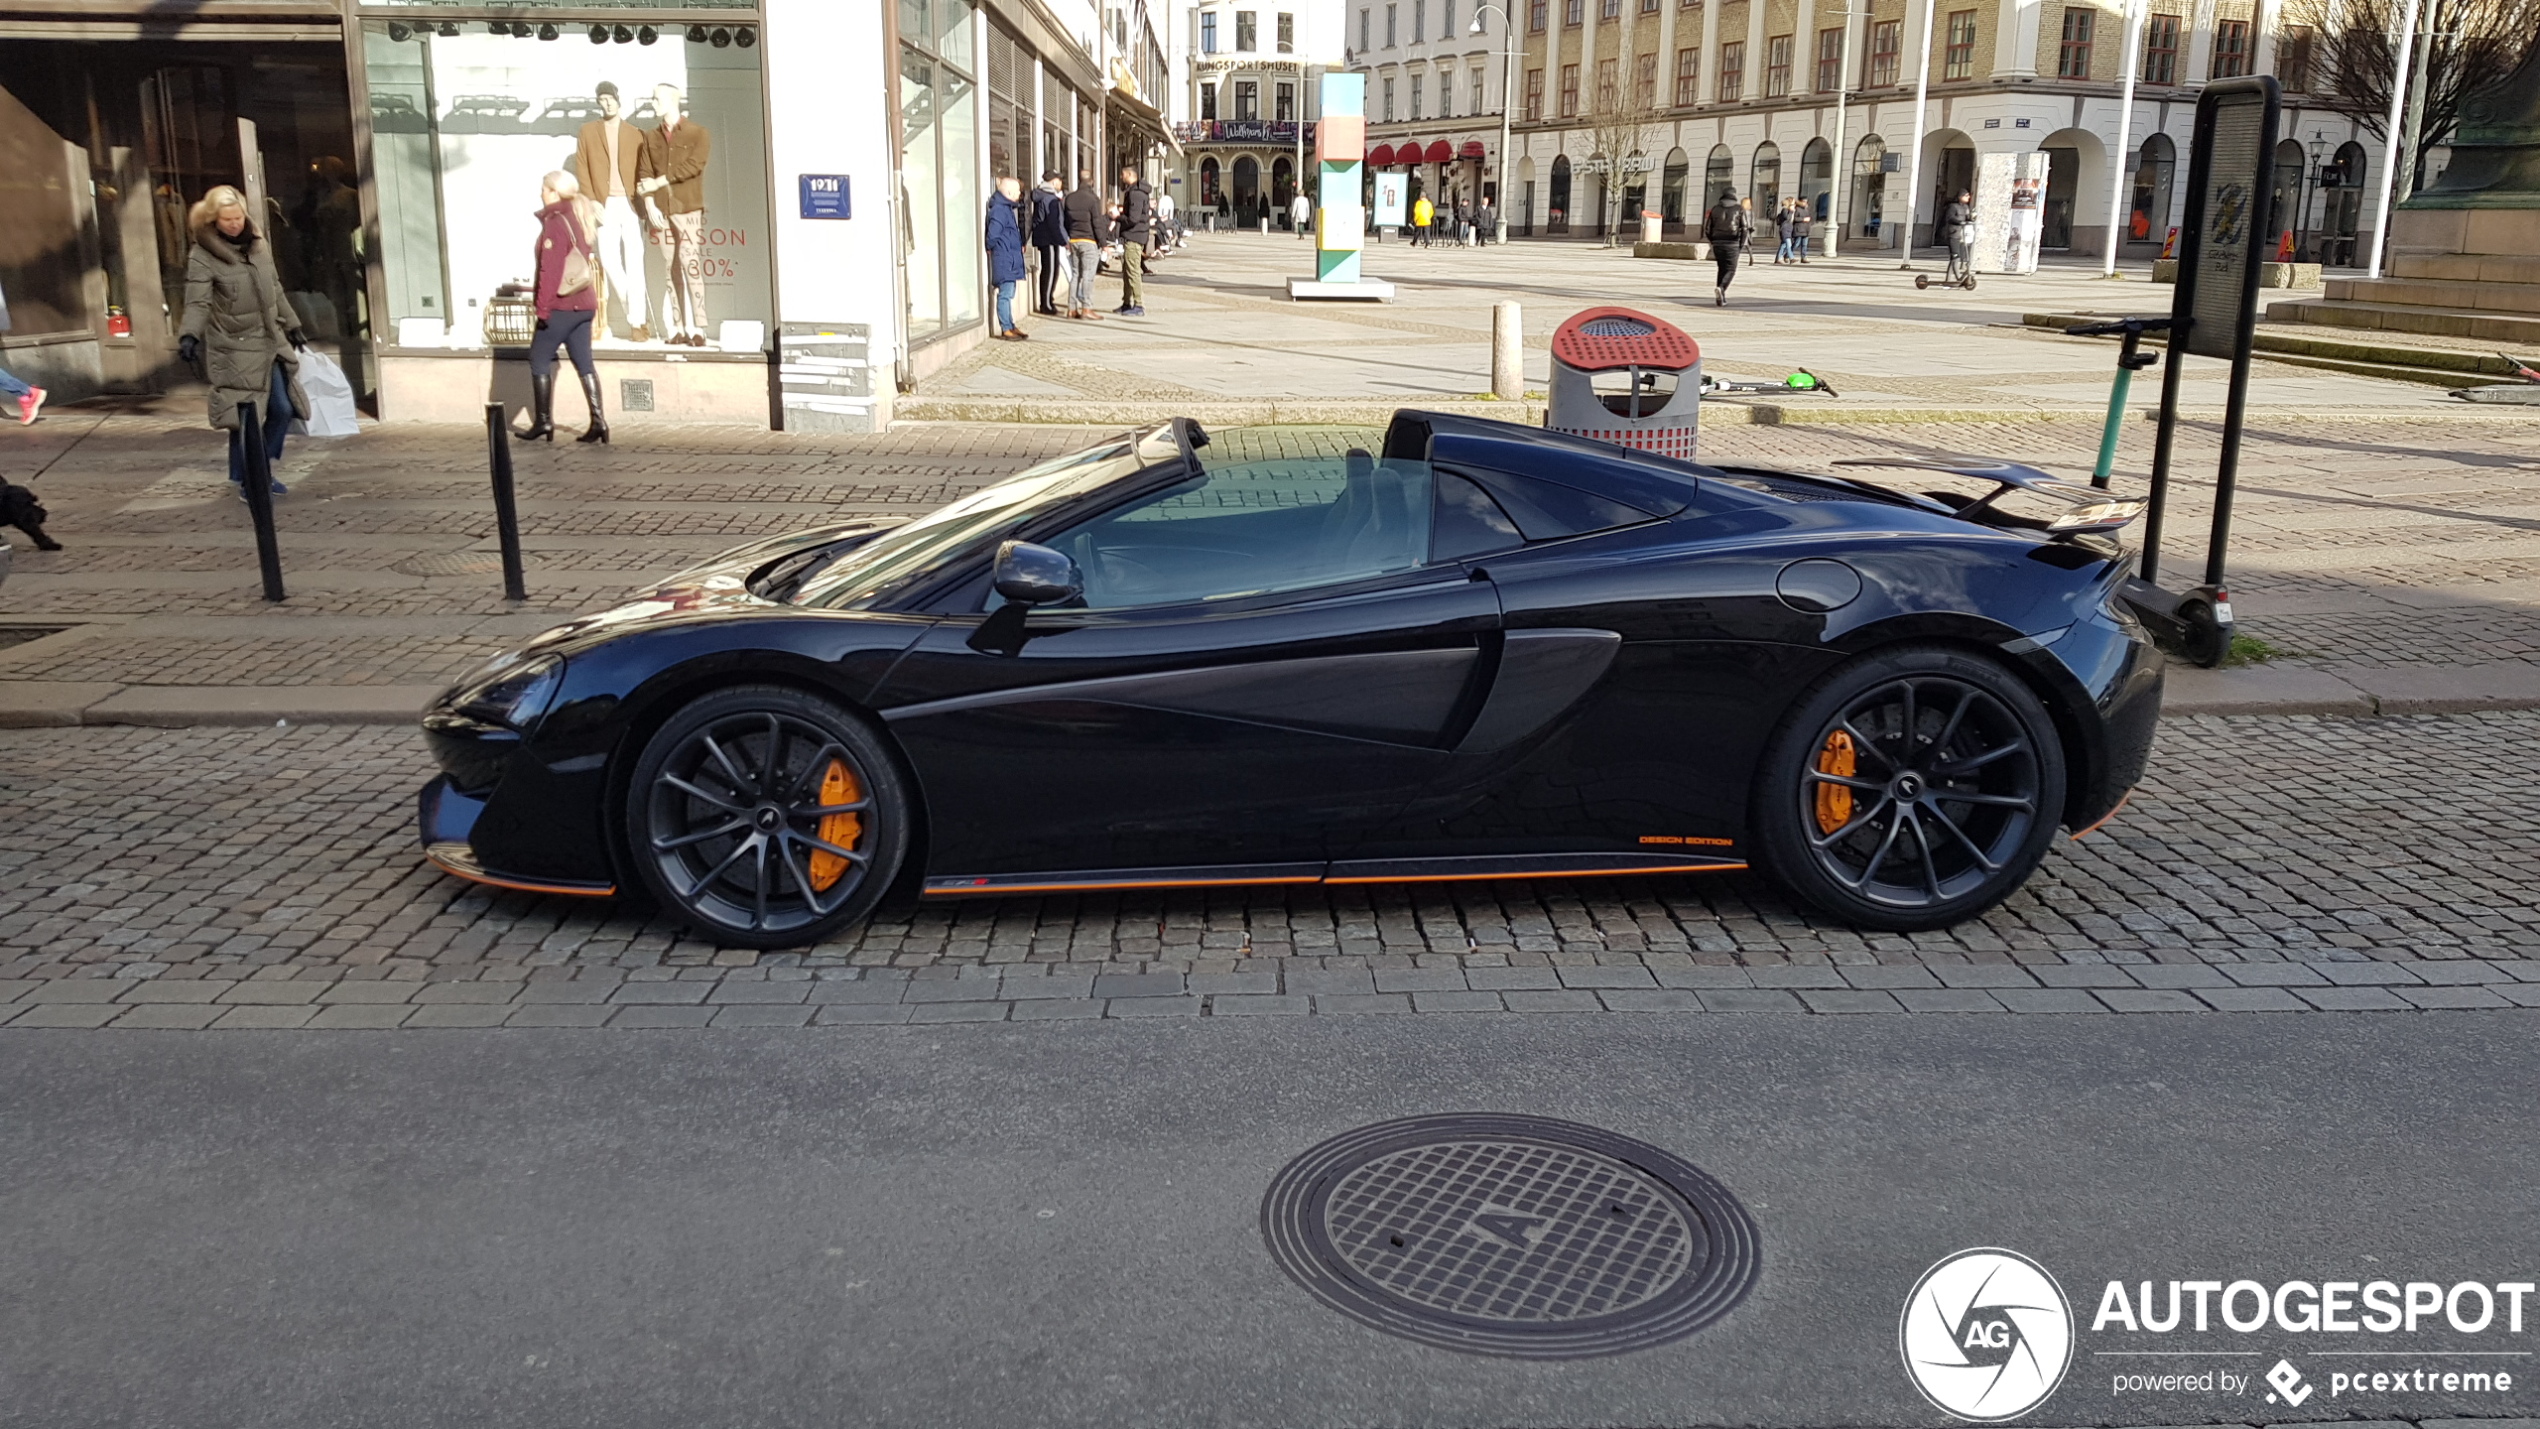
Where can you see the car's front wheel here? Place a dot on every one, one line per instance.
(1912, 789)
(765, 817)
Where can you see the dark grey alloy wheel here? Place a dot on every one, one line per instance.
(1913, 789)
(766, 817)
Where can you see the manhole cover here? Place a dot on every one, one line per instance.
(1511, 1235)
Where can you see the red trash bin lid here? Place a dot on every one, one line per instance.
(1604, 339)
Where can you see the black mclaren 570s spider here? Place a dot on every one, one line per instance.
(1485, 651)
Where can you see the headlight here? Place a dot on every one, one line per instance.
(510, 690)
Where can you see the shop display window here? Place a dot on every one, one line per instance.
(468, 116)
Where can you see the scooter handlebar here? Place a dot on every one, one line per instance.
(2119, 328)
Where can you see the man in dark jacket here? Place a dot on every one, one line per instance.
(1137, 230)
(1088, 228)
(1958, 230)
(1049, 239)
(1724, 226)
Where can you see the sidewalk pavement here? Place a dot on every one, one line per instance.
(1223, 342)
(2392, 567)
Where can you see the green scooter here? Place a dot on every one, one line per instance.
(2130, 360)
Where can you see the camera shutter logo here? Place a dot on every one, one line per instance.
(1986, 1335)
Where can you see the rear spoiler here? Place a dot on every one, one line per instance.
(2092, 513)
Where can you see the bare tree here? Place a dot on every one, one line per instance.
(2468, 45)
(1622, 130)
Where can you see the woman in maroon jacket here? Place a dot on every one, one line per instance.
(566, 305)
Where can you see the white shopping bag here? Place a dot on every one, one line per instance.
(330, 394)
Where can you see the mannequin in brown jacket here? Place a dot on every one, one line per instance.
(609, 160)
(675, 156)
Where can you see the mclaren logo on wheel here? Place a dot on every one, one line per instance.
(1986, 1335)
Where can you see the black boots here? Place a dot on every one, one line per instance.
(599, 431)
(542, 416)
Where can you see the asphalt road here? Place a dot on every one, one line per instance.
(1058, 1224)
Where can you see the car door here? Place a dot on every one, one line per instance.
(1264, 661)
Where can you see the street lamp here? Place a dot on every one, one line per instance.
(2135, 10)
(1914, 160)
(1507, 78)
(2390, 157)
(1842, 174)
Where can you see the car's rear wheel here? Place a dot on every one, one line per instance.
(1912, 789)
(765, 817)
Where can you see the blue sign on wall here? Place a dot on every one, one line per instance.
(826, 196)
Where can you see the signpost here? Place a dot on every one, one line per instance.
(1340, 215)
(2230, 176)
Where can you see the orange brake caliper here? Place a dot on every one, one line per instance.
(1834, 802)
(837, 786)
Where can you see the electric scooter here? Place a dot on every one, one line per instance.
(1802, 380)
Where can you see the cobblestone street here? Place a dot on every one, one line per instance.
(269, 878)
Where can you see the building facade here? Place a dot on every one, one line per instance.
(1246, 108)
(1436, 75)
(791, 192)
(1699, 96)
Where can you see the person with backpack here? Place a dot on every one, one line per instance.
(1725, 228)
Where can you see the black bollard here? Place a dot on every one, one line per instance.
(498, 456)
(259, 484)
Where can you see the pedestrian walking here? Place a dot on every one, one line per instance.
(1486, 222)
(1423, 214)
(1088, 229)
(568, 301)
(1006, 223)
(29, 397)
(237, 329)
(1049, 241)
(1725, 228)
(1802, 216)
(1786, 223)
(1137, 230)
(1301, 213)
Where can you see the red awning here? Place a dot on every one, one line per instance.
(1439, 152)
(1473, 149)
(1380, 156)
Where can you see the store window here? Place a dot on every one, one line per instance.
(1959, 60)
(2073, 60)
(668, 138)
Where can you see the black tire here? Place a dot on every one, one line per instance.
(1922, 280)
(1912, 788)
(764, 817)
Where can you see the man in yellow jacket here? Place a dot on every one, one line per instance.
(1422, 213)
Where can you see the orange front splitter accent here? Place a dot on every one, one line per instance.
(459, 861)
(2124, 800)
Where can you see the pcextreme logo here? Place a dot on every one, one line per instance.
(1986, 1335)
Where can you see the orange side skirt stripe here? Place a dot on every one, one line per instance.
(475, 876)
(1538, 873)
(2079, 834)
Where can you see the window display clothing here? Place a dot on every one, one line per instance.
(564, 319)
(676, 154)
(608, 159)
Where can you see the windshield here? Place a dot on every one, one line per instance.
(927, 542)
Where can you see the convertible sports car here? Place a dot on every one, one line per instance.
(1488, 651)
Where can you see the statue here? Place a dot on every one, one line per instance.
(2496, 150)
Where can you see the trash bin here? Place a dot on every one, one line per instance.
(1628, 378)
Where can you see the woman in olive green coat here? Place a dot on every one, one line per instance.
(237, 327)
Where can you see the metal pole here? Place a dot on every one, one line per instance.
(2162, 439)
(258, 479)
(1842, 167)
(1507, 102)
(1914, 161)
(498, 458)
(2134, 12)
(2390, 128)
(2414, 128)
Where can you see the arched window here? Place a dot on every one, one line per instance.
(1208, 183)
(1868, 204)
(2342, 205)
(1525, 214)
(1282, 187)
(1816, 176)
(1718, 172)
(2284, 211)
(2148, 217)
(1557, 218)
(1247, 189)
(1766, 185)
(1671, 191)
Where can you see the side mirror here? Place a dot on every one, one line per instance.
(1036, 575)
